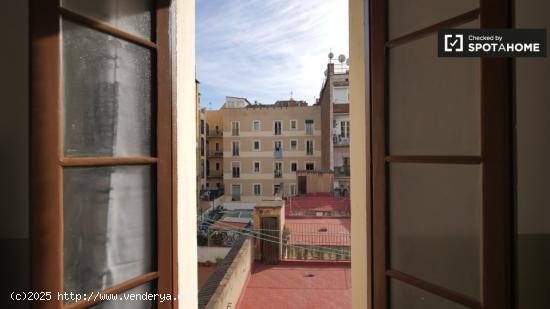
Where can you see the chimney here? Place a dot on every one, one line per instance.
(330, 69)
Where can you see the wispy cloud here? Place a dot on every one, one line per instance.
(263, 49)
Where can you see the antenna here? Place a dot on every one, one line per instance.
(342, 58)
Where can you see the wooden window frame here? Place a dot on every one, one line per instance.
(48, 160)
(495, 160)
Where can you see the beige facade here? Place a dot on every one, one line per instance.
(214, 148)
(334, 102)
(264, 145)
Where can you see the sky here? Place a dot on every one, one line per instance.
(265, 49)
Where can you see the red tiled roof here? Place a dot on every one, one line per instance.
(320, 232)
(306, 286)
(317, 202)
(227, 225)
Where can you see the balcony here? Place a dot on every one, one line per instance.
(278, 174)
(339, 140)
(214, 154)
(342, 171)
(215, 174)
(214, 133)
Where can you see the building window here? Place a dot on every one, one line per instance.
(256, 125)
(257, 189)
(256, 145)
(236, 150)
(310, 127)
(293, 145)
(236, 192)
(276, 189)
(236, 169)
(292, 189)
(341, 95)
(344, 129)
(217, 166)
(217, 147)
(235, 128)
(310, 166)
(202, 146)
(202, 168)
(277, 127)
(202, 126)
(278, 149)
(257, 168)
(293, 166)
(293, 125)
(309, 147)
(278, 170)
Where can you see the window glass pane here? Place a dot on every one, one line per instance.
(407, 16)
(131, 299)
(131, 16)
(435, 224)
(532, 115)
(109, 226)
(436, 112)
(107, 93)
(404, 296)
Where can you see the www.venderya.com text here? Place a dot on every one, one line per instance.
(91, 297)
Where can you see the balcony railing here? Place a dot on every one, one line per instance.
(215, 174)
(340, 140)
(214, 134)
(277, 173)
(342, 171)
(214, 153)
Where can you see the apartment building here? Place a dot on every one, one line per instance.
(334, 102)
(264, 146)
(201, 139)
(214, 149)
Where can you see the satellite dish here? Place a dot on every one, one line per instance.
(330, 55)
(342, 58)
(347, 62)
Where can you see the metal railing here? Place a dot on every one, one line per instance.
(340, 140)
(342, 171)
(277, 173)
(214, 133)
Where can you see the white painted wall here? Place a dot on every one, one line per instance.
(205, 254)
(186, 140)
